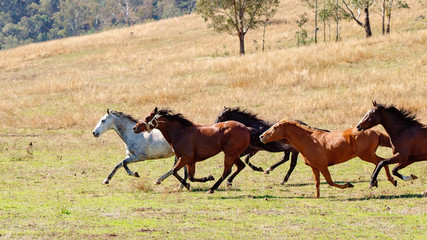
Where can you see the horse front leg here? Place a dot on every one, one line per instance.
(294, 160)
(316, 176)
(180, 164)
(328, 178)
(192, 171)
(123, 163)
(228, 163)
(283, 160)
(240, 166)
(394, 159)
(181, 186)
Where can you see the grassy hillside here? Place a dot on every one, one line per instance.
(181, 64)
(52, 94)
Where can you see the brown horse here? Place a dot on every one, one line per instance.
(194, 143)
(408, 137)
(321, 149)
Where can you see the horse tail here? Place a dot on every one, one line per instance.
(384, 140)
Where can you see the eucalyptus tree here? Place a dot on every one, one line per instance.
(359, 4)
(236, 16)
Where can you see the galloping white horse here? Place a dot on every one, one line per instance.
(139, 147)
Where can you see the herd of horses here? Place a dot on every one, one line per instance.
(237, 133)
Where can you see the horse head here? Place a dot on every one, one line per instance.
(104, 124)
(148, 123)
(274, 133)
(371, 118)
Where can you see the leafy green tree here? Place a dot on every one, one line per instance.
(236, 16)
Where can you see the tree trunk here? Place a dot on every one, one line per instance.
(388, 13)
(315, 25)
(242, 43)
(383, 17)
(338, 23)
(263, 35)
(367, 24)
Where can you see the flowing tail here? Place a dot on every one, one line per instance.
(384, 140)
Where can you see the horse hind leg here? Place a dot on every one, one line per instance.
(400, 166)
(255, 168)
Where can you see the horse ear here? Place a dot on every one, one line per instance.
(108, 111)
(155, 110)
(374, 103)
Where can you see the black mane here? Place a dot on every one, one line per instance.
(245, 114)
(177, 117)
(121, 114)
(406, 115)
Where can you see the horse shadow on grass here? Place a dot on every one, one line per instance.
(322, 183)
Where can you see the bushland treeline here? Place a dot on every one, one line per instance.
(27, 21)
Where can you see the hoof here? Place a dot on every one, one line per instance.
(350, 185)
(157, 182)
(413, 176)
(106, 181)
(187, 186)
(136, 174)
(395, 183)
(210, 191)
(282, 183)
(211, 178)
(373, 184)
(260, 169)
(229, 185)
(267, 171)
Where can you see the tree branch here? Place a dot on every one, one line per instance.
(351, 13)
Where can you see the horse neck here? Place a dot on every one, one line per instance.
(392, 124)
(170, 130)
(298, 136)
(124, 128)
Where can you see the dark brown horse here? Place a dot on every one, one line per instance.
(408, 137)
(194, 143)
(321, 149)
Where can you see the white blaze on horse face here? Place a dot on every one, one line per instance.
(103, 125)
(364, 117)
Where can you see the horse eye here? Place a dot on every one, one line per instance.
(103, 120)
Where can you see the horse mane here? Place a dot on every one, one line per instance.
(177, 117)
(245, 113)
(301, 124)
(124, 115)
(313, 128)
(406, 115)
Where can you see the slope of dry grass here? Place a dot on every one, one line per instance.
(180, 64)
(52, 94)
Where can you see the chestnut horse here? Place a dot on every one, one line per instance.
(321, 149)
(194, 143)
(408, 137)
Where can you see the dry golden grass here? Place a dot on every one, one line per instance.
(180, 64)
